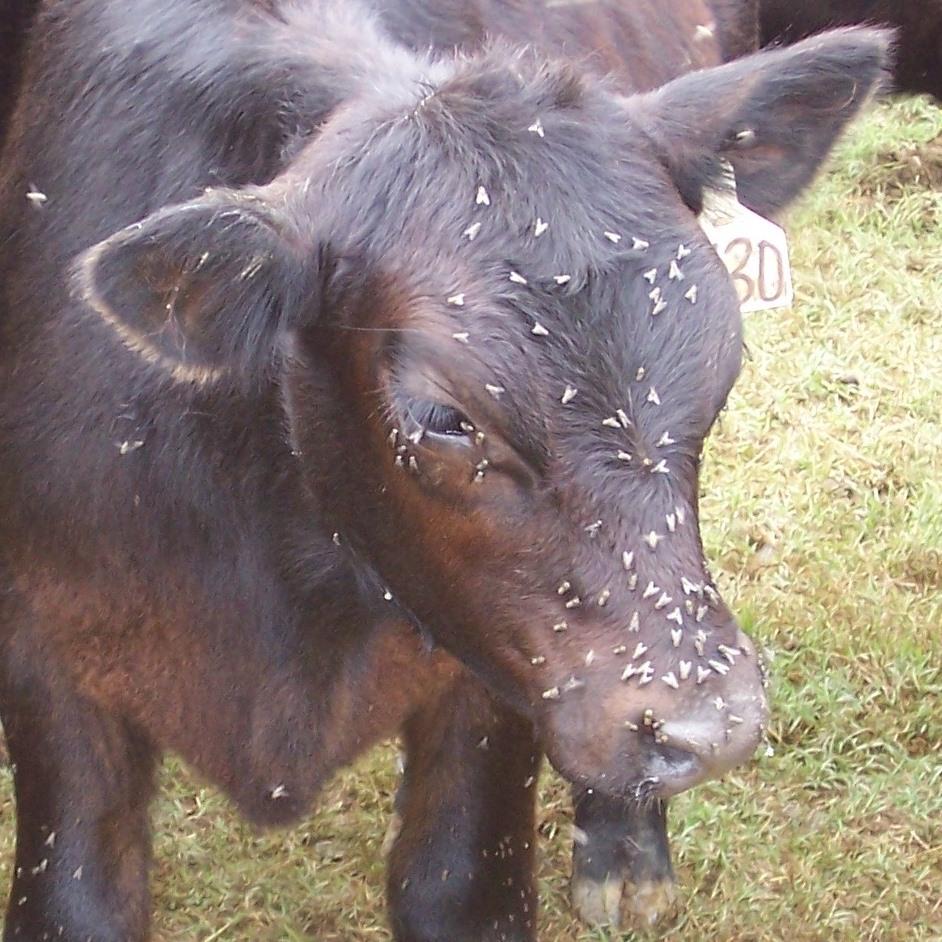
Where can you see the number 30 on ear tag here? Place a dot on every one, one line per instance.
(753, 248)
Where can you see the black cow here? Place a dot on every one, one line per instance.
(918, 54)
(622, 869)
(334, 400)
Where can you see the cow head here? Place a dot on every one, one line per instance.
(502, 339)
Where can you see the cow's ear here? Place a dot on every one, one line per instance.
(774, 115)
(203, 289)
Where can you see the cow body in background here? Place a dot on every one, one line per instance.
(346, 389)
(917, 55)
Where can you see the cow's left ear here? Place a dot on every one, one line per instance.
(774, 115)
(203, 289)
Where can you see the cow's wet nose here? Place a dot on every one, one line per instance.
(703, 747)
(705, 743)
(716, 732)
(682, 735)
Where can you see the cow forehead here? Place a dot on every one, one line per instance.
(491, 159)
(639, 319)
(596, 322)
(552, 245)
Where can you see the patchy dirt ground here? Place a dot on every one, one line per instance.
(913, 166)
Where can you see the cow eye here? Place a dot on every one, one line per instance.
(438, 420)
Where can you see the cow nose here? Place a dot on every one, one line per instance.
(705, 746)
(681, 736)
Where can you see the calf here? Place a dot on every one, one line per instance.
(621, 869)
(918, 58)
(310, 438)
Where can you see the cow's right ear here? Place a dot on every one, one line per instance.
(203, 289)
(773, 116)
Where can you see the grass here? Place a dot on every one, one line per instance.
(822, 512)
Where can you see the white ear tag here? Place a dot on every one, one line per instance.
(753, 249)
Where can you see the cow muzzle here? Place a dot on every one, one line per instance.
(659, 739)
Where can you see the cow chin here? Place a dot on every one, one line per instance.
(665, 748)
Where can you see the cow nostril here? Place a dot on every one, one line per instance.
(720, 742)
(670, 768)
(683, 752)
(675, 758)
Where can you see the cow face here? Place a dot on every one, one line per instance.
(502, 340)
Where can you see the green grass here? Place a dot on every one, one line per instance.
(822, 512)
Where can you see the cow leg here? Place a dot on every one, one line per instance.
(621, 874)
(82, 781)
(461, 867)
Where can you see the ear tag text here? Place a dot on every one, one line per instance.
(753, 249)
